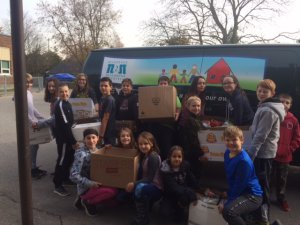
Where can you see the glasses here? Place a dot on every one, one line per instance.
(227, 83)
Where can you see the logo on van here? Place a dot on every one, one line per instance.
(116, 68)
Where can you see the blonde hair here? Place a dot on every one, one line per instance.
(192, 99)
(268, 84)
(28, 77)
(232, 132)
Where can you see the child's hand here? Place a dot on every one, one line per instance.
(224, 194)
(34, 125)
(194, 203)
(109, 146)
(76, 146)
(220, 208)
(95, 184)
(209, 193)
(130, 187)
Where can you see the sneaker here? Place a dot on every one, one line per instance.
(90, 210)
(35, 175)
(77, 203)
(61, 191)
(285, 206)
(41, 172)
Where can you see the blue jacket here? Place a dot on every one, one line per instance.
(241, 176)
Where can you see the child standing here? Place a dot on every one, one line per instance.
(244, 192)
(165, 132)
(36, 120)
(179, 185)
(289, 141)
(189, 135)
(90, 193)
(107, 111)
(265, 135)
(66, 143)
(148, 188)
(51, 93)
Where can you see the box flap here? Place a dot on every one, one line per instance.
(115, 151)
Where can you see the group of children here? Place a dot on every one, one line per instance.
(248, 174)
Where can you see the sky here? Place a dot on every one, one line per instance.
(136, 11)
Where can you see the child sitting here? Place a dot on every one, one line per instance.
(244, 193)
(90, 193)
(148, 188)
(179, 185)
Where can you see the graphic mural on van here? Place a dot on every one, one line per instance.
(182, 70)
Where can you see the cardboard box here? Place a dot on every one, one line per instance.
(211, 142)
(205, 212)
(157, 102)
(40, 136)
(114, 167)
(82, 108)
(78, 129)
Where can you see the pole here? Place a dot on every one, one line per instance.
(24, 161)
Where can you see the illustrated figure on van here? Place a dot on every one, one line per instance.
(174, 71)
(184, 76)
(194, 72)
(163, 73)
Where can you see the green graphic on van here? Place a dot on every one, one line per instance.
(182, 70)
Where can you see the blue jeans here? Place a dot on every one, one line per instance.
(147, 192)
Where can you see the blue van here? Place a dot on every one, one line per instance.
(249, 63)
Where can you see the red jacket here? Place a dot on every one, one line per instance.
(289, 139)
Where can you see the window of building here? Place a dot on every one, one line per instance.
(4, 67)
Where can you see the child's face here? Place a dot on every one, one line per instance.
(64, 93)
(82, 82)
(229, 85)
(176, 159)
(195, 107)
(126, 88)
(234, 144)
(263, 93)
(286, 103)
(29, 84)
(105, 87)
(51, 87)
(144, 145)
(201, 85)
(125, 138)
(91, 141)
(163, 83)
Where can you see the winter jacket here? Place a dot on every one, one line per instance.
(80, 170)
(179, 183)
(265, 129)
(238, 109)
(241, 177)
(289, 139)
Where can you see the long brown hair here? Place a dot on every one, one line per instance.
(48, 97)
(151, 139)
(76, 86)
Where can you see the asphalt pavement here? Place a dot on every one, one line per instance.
(51, 209)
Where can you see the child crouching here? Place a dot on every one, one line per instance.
(90, 193)
(179, 185)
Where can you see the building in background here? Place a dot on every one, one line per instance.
(6, 66)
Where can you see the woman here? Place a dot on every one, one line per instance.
(238, 109)
(83, 90)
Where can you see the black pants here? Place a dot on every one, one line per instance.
(64, 161)
(263, 169)
(280, 173)
(233, 212)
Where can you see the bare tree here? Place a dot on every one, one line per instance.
(80, 25)
(213, 21)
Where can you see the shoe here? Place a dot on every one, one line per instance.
(77, 203)
(35, 175)
(42, 172)
(285, 206)
(277, 222)
(61, 191)
(90, 210)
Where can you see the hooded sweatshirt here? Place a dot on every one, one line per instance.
(289, 139)
(265, 129)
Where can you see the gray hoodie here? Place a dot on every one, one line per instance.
(266, 129)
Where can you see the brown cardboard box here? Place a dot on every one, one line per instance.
(114, 167)
(157, 102)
